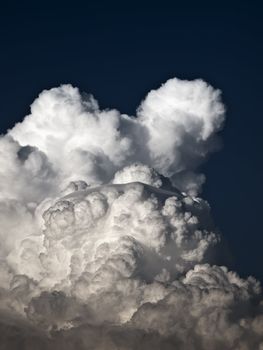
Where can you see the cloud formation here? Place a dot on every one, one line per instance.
(173, 132)
(105, 243)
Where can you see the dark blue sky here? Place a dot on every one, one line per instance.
(119, 51)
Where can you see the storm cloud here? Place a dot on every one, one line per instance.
(105, 241)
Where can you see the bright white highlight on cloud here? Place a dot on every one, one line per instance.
(105, 243)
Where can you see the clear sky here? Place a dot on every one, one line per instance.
(119, 51)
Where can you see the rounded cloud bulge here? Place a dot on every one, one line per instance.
(173, 132)
(105, 240)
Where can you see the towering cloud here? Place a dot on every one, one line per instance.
(173, 132)
(105, 243)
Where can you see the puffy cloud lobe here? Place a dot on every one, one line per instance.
(173, 132)
(209, 309)
(181, 118)
(81, 141)
(99, 249)
(26, 173)
(138, 173)
(125, 265)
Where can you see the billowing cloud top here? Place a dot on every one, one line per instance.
(104, 242)
(173, 132)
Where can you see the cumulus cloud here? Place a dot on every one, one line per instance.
(173, 132)
(105, 243)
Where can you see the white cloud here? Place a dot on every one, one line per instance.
(98, 249)
(173, 132)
